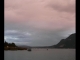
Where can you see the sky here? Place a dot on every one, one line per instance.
(38, 22)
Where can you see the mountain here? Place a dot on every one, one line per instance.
(23, 46)
(69, 42)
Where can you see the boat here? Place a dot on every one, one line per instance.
(47, 49)
(29, 49)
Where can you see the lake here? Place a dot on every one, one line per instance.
(41, 54)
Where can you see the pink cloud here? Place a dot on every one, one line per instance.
(44, 14)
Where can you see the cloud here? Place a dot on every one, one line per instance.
(37, 38)
(63, 5)
(37, 21)
(38, 13)
(16, 36)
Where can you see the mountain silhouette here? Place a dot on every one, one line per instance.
(69, 42)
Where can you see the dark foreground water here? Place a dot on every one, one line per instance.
(41, 54)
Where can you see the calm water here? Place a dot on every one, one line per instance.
(41, 54)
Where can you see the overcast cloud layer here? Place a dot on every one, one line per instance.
(38, 22)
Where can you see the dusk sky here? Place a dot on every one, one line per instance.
(38, 22)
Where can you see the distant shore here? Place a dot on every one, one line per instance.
(13, 49)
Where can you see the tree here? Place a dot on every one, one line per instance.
(5, 44)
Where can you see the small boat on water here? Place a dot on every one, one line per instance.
(29, 49)
(47, 49)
